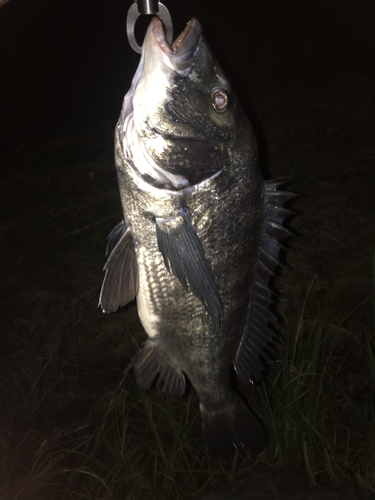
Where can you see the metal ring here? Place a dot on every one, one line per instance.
(132, 17)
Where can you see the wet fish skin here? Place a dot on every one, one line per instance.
(200, 236)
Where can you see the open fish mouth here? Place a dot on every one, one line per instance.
(188, 29)
(183, 50)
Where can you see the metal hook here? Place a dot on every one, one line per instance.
(147, 7)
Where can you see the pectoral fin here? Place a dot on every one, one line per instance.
(121, 282)
(184, 257)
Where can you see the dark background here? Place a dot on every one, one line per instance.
(66, 65)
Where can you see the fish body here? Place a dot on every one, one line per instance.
(200, 235)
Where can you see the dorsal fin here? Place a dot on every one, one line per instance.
(259, 336)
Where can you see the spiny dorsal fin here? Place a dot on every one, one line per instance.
(259, 336)
(121, 280)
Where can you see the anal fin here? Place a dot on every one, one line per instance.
(150, 364)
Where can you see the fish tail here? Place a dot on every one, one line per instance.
(232, 427)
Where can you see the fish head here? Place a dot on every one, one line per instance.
(185, 112)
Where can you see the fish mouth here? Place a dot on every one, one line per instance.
(182, 52)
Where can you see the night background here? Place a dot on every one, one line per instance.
(70, 425)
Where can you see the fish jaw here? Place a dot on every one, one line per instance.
(162, 68)
(170, 111)
(179, 56)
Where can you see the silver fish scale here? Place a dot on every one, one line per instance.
(231, 246)
(201, 234)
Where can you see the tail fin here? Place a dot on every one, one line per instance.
(232, 427)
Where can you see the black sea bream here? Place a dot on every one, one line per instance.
(200, 236)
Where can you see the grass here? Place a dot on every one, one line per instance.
(320, 402)
(317, 402)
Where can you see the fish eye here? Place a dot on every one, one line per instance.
(220, 99)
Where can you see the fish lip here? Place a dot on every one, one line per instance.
(181, 53)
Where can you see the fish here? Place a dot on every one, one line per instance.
(200, 237)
